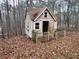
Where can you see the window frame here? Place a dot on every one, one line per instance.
(45, 14)
(36, 25)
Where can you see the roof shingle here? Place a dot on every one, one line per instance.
(34, 12)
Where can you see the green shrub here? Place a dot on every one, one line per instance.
(34, 36)
(61, 33)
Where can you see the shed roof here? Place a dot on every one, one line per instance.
(36, 12)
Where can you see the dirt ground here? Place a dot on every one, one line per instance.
(23, 48)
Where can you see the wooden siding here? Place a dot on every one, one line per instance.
(28, 26)
(41, 19)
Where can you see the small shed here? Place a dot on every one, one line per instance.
(40, 20)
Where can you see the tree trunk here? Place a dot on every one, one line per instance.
(8, 20)
(2, 26)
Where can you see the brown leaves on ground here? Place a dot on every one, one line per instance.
(24, 48)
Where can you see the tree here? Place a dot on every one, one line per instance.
(2, 26)
(8, 19)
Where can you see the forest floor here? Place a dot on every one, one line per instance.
(24, 48)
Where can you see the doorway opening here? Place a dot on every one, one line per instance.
(45, 26)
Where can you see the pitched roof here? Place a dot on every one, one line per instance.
(36, 12)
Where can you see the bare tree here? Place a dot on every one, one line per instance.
(8, 19)
(2, 26)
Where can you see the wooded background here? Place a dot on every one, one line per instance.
(12, 14)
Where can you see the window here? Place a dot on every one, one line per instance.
(37, 25)
(45, 15)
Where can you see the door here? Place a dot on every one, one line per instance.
(45, 26)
